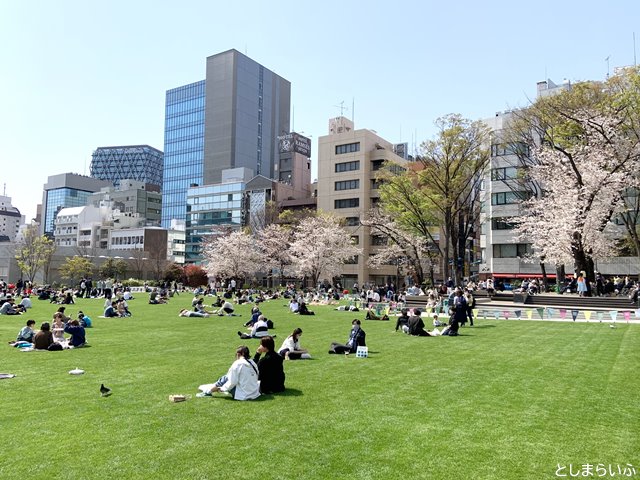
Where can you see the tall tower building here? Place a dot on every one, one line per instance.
(135, 162)
(230, 120)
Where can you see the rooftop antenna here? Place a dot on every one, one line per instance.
(353, 111)
(607, 60)
(4, 189)
(341, 107)
(293, 118)
(634, 50)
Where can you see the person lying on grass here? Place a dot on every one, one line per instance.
(241, 381)
(191, 313)
(291, 349)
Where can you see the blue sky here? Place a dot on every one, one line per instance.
(76, 75)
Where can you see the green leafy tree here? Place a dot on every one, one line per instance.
(33, 252)
(75, 268)
(113, 268)
(443, 191)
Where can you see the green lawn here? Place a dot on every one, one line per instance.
(505, 400)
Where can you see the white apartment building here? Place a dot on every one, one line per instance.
(10, 219)
(348, 160)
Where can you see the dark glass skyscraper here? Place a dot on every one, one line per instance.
(229, 120)
(135, 162)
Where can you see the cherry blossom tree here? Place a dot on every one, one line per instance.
(403, 248)
(273, 245)
(320, 247)
(232, 255)
(582, 183)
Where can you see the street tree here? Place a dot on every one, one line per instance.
(320, 247)
(75, 268)
(33, 252)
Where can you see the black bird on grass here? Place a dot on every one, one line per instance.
(104, 391)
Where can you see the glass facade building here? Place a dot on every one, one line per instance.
(60, 198)
(208, 207)
(136, 162)
(183, 148)
(66, 190)
(229, 120)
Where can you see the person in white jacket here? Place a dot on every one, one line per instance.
(241, 381)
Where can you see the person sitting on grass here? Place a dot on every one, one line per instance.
(291, 349)
(191, 313)
(155, 298)
(44, 338)
(227, 309)
(270, 370)
(58, 328)
(199, 307)
(403, 321)
(9, 308)
(84, 320)
(356, 339)
(416, 325)
(241, 381)
(258, 330)
(26, 333)
(111, 311)
(303, 310)
(78, 338)
(65, 317)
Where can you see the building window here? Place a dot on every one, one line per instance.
(352, 261)
(347, 185)
(347, 148)
(378, 240)
(502, 223)
(507, 198)
(355, 240)
(511, 250)
(505, 173)
(502, 149)
(352, 221)
(347, 166)
(347, 203)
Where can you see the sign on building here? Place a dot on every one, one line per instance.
(294, 143)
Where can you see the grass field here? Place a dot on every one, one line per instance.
(505, 400)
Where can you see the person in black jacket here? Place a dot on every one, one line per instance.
(356, 339)
(403, 321)
(416, 324)
(270, 369)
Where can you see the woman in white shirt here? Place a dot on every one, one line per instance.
(291, 349)
(241, 381)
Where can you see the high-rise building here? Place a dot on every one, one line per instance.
(229, 120)
(66, 190)
(348, 161)
(136, 162)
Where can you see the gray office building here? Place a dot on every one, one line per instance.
(229, 120)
